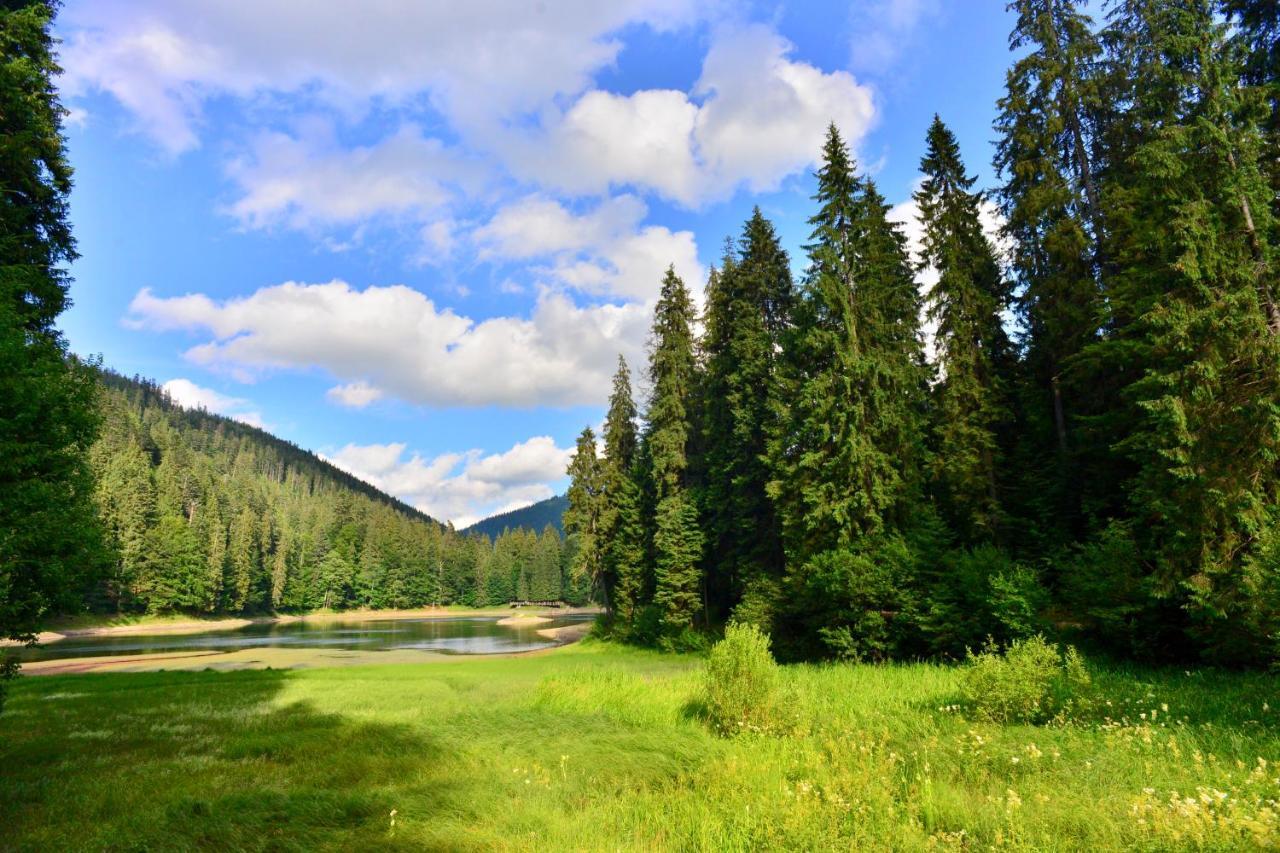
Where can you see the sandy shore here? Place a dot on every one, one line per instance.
(524, 619)
(196, 626)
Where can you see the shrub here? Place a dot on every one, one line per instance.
(1029, 683)
(981, 593)
(859, 596)
(742, 686)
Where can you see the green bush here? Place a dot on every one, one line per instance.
(1029, 683)
(742, 686)
(981, 593)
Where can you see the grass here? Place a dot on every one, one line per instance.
(599, 747)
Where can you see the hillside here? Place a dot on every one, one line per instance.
(534, 517)
(204, 514)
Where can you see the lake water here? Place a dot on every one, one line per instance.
(457, 635)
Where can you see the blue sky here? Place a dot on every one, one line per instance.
(415, 239)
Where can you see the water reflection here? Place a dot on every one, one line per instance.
(460, 635)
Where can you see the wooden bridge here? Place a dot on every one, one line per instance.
(527, 603)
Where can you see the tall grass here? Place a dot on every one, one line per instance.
(597, 747)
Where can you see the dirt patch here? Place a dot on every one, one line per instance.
(566, 634)
(524, 619)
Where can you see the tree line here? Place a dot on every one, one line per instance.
(203, 514)
(1088, 439)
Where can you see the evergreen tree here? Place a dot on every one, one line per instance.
(853, 373)
(749, 306)
(677, 538)
(1192, 305)
(544, 583)
(1257, 37)
(173, 575)
(582, 518)
(618, 498)
(1050, 200)
(49, 542)
(972, 349)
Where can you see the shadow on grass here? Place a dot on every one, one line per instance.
(205, 760)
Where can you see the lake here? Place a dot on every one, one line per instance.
(457, 635)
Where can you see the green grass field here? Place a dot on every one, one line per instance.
(599, 747)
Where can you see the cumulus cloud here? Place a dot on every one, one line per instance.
(460, 487)
(394, 340)
(189, 395)
(604, 251)
(477, 61)
(355, 395)
(309, 181)
(754, 117)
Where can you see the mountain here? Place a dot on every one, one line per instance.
(203, 514)
(533, 517)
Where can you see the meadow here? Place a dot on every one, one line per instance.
(600, 747)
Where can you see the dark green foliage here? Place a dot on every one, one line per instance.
(853, 603)
(48, 534)
(621, 523)
(1051, 205)
(846, 455)
(677, 536)
(533, 517)
(677, 544)
(973, 353)
(582, 518)
(973, 595)
(1192, 296)
(206, 515)
(749, 306)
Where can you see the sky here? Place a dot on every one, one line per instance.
(414, 236)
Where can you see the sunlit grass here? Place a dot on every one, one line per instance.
(599, 747)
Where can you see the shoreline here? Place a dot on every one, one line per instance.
(195, 626)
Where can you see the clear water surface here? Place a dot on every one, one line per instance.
(457, 635)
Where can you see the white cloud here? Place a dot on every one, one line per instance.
(189, 395)
(396, 341)
(604, 251)
(883, 31)
(754, 117)
(356, 395)
(477, 61)
(309, 181)
(460, 487)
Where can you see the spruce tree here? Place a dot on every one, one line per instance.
(1052, 209)
(972, 349)
(623, 529)
(749, 307)
(853, 375)
(49, 542)
(582, 518)
(1192, 302)
(677, 537)
(847, 453)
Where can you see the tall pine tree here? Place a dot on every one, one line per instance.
(624, 551)
(1192, 297)
(677, 536)
(748, 308)
(972, 349)
(48, 416)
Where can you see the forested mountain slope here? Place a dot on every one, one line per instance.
(202, 513)
(533, 517)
